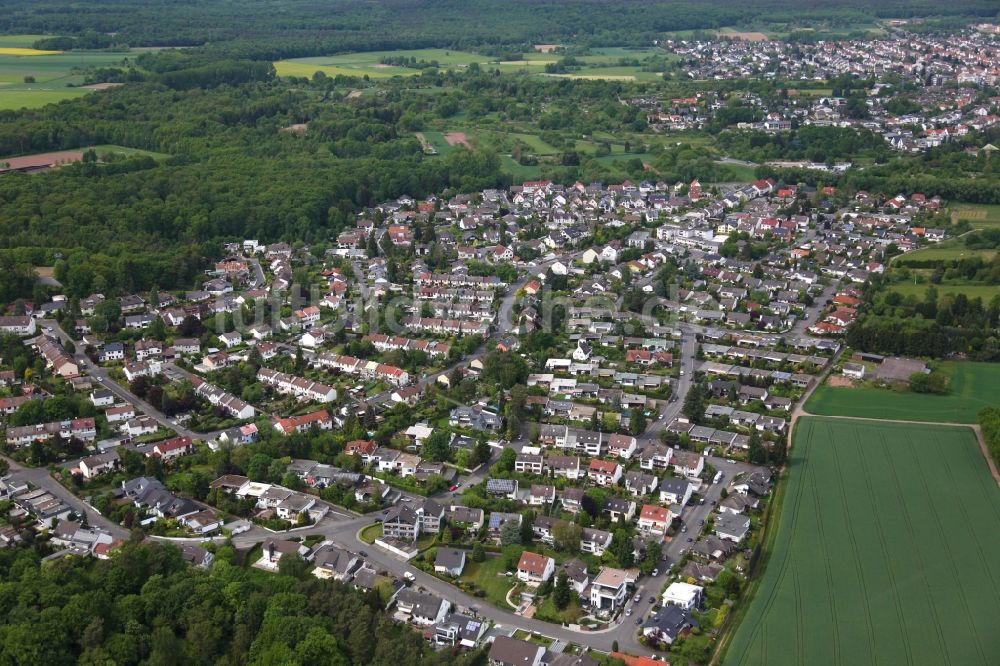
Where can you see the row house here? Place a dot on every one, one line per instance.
(84, 429)
(304, 423)
(171, 449)
(229, 403)
(297, 386)
(446, 326)
(385, 343)
(361, 368)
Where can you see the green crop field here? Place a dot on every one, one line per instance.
(978, 215)
(885, 552)
(55, 68)
(973, 386)
(55, 75)
(19, 41)
(361, 64)
(32, 98)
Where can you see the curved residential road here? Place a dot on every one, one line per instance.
(101, 375)
(40, 477)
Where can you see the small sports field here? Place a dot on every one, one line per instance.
(886, 552)
(973, 386)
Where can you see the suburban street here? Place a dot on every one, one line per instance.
(342, 527)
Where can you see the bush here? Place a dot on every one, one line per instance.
(933, 382)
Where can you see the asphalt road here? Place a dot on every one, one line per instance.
(343, 527)
(123, 394)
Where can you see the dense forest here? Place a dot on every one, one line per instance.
(136, 223)
(272, 29)
(146, 605)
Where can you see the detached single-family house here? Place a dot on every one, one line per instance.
(654, 520)
(507, 651)
(535, 568)
(685, 595)
(604, 472)
(732, 527)
(449, 561)
(667, 624)
(609, 589)
(422, 608)
(676, 491)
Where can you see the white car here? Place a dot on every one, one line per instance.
(628, 612)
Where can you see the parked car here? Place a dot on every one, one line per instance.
(656, 572)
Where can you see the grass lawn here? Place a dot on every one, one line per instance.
(549, 613)
(370, 533)
(884, 554)
(484, 576)
(944, 251)
(56, 66)
(983, 291)
(973, 386)
(437, 140)
(535, 143)
(511, 166)
(729, 173)
(109, 149)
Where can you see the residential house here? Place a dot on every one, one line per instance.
(685, 595)
(622, 446)
(594, 541)
(732, 527)
(619, 509)
(640, 483)
(535, 568)
(609, 589)
(654, 520)
(507, 651)
(676, 491)
(604, 472)
(449, 561)
(668, 624)
(421, 608)
(102, 463)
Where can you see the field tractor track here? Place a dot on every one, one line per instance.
(969, 617)
(908, 522)
(757, 628)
